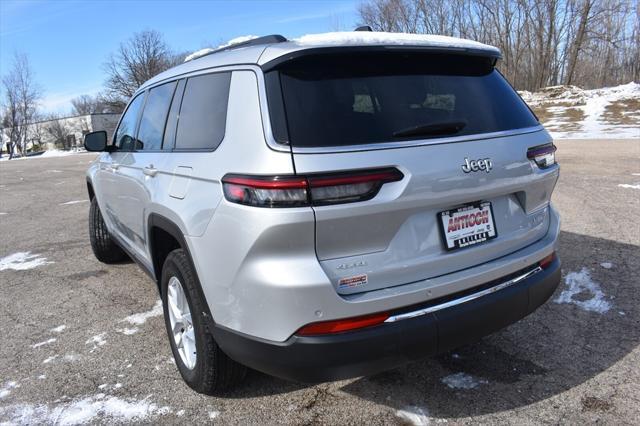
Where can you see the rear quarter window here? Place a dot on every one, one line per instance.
(203, 113)
(339, 100)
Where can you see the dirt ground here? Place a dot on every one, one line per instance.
(571, 363)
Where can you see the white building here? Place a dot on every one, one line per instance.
(64, 132)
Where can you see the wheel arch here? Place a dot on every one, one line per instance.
(164, 236)
(90, 190)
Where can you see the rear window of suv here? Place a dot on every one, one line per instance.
(339, 100)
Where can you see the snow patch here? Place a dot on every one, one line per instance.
(607, 265)
(462, 381)
(142, 317)
(359, 38)
(213, 414)
(237, 40)
(2, 213)
(22, 261)
(7, 388)
(42, 377)
(591, 105)
(47, 154)
(46, 342)
(198, 53)
(180, 413)
(97, 340)
(58, 329)
(207, 50)
(89, 409)
(581, 282)
(127, 331)
(414, 415)
(626, 185)
(73, 202)
(50, 359)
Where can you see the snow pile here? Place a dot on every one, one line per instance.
(207, 50)
(413, 415)
(141, 318)
(462, 381)
(85, 410)
(571, 112)
(581, 283)
(22, 261)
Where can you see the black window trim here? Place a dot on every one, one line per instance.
(115, 133)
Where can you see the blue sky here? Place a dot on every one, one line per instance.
(68, 41)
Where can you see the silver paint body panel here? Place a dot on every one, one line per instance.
(267, 272)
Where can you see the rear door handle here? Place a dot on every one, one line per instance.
(150, 170)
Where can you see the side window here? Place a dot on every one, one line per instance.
(203, 115)
(126, 133)
(154, 117)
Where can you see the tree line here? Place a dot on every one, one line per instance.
(136, 60)
(588, 43)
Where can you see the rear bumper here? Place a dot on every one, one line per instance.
(371, 350)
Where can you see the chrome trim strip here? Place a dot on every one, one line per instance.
(464, 299)
(420, 142)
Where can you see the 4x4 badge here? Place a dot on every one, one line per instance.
(476, 165)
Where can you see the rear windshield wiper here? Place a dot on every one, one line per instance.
(432, 129)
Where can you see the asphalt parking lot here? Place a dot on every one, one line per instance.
(84, 342)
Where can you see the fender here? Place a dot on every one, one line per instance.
(158, 221)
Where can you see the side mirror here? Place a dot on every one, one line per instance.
(96, 141)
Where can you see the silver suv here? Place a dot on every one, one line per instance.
(330, 206)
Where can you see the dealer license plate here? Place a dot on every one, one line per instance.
(468, 225)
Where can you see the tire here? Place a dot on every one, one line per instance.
(213, 371)
(104, 247)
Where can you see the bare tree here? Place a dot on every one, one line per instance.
(543, 42)
(58, 130)
(87, 104)
(20, 102)
(138, 59)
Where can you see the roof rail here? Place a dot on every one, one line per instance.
(268, 39)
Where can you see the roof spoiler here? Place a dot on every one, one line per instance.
(277, 62)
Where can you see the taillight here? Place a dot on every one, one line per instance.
(548, 260)
(261, 191)
(543, 155)
(342, 325)
(309, 190)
